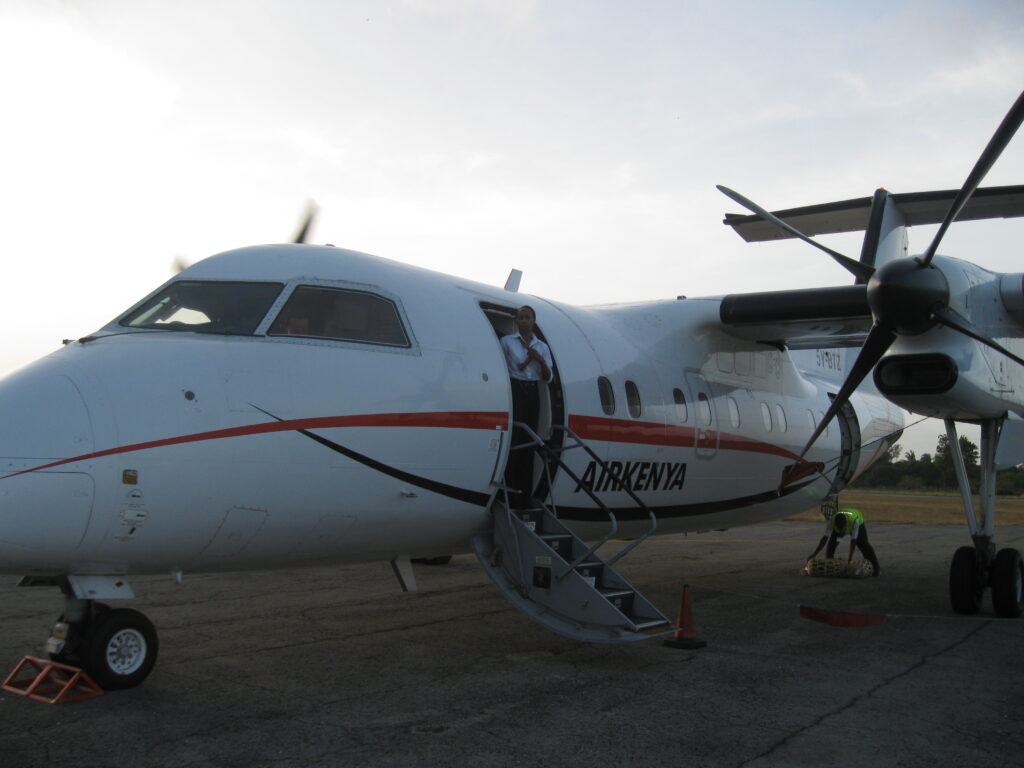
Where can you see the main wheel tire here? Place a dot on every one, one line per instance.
(965, 587)
(1008, 584)
(120, 649)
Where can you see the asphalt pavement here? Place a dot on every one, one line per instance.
(337, 667)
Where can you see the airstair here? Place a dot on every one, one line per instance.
(552, 575)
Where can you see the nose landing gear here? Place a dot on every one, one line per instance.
(117, 647)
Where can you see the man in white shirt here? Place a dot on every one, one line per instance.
(529, 362)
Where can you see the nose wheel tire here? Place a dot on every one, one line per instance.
(120, 649)
(1008, 584)
(966, 586)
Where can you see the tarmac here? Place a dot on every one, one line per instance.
(337, 667)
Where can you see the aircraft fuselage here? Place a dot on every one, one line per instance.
(160, 448)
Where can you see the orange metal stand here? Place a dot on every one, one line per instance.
(51, 682)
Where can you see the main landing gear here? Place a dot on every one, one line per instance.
(117, 647)
(976, 568)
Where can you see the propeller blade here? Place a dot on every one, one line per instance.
(877, 342)
(307, 223)
(953, 319)
(995, 147)
(858, 270)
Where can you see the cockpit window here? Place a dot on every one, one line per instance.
(333, 313)
(206, 307)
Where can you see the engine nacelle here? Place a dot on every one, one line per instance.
(934, 384)
(1011, 291)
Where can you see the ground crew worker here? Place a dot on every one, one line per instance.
(847, 521)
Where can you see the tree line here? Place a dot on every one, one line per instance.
(904, 470)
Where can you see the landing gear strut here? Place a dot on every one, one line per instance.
(117, 647)
(976, 568)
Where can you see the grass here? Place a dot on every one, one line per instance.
(931, 508)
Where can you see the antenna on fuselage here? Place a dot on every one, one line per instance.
(512, 284)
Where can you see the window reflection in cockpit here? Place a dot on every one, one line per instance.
(206, 307)
(332, 313)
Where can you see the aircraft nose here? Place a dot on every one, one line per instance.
(44, 510)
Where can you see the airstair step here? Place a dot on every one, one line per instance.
(561, 593)
(613, 593)
(531, 517)
(642, 624)
(620, 598)
(591, 572)
(560, 543)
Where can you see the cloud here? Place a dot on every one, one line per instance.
(995, 72)
(517, 11)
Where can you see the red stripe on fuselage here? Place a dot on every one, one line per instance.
(587, 427)
(452, 420)
(650, 433)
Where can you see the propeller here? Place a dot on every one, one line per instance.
(907, 296)
(179, 264)
(307, 223)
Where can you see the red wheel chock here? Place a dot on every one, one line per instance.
(51, 682)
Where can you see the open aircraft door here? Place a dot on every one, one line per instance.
(552, 402)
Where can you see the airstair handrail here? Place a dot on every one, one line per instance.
(536, 440)
(555, 454)
(604, 467)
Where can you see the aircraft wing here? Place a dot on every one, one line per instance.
(853, 215)
(808, 318)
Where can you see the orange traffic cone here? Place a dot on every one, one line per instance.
(685, 637)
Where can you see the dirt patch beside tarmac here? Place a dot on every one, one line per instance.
(928, 508)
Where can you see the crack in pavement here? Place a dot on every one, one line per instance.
(862, 696)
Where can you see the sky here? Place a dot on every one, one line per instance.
(579, 141)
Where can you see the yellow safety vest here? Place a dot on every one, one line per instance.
(853, 517)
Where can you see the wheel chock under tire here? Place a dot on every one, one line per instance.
(50, 681)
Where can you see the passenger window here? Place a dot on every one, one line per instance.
(333, 313)
(604, 389)
(734, 412)
(705, 408)
(780, 417)
(633, 400)
(206, 306)
(680, 399)
(766, 416)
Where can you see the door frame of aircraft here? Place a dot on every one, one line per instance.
(849, 445)
(552, 397)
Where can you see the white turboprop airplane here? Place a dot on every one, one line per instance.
(286, 405)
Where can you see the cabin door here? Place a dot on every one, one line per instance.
(551, 401)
